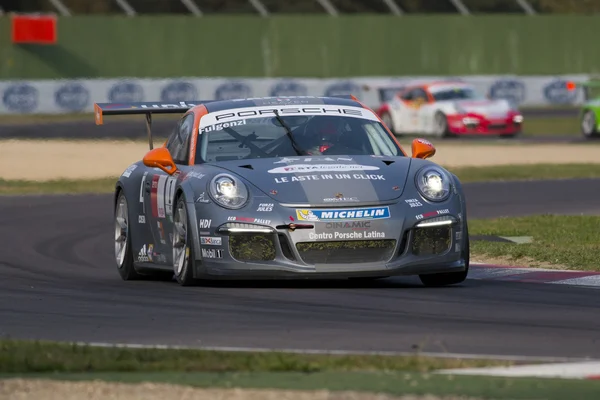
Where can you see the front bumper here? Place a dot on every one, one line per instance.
(474, 124)
(281, 252)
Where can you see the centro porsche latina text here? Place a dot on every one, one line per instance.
(336, 215)
(346, 235)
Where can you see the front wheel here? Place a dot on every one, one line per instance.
(183, 248)
(589, 125)
(450, 278)
(440, 125)
(123, 251)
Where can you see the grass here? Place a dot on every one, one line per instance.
(566, 241)
(394, 375)
(41, 357)
(392, 383)
(466, 174)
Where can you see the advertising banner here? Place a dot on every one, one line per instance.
(75, 96)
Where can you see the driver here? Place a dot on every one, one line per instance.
(320, 133)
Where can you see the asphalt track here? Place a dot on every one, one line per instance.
(58, 281)
(117, 128)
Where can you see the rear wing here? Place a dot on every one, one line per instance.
(147, 108)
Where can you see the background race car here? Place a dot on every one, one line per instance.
(590, 112)
(449, 108)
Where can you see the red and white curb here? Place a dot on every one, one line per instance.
(482, 271)
(578, 370)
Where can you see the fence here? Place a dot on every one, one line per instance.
(293, 46)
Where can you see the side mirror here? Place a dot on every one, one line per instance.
(422, 148)
(160, 158)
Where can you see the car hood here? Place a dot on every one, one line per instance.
(325, 180)
(489, 108)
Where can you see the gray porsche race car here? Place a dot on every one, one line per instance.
(286, 187)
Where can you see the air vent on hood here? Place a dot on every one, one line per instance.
(388, 162)
(246, 166)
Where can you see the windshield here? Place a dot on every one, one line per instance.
(245, 135)
(457, 93)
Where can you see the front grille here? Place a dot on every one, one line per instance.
(346, 252)
(252, 246)
(431, 241)
(497, 126)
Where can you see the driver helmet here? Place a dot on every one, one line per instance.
(321, 133)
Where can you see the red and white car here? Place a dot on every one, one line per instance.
(449, 108)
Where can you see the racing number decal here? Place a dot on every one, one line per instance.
(170, 193)
(161, 196)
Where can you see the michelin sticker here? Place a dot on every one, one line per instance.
(341, 215)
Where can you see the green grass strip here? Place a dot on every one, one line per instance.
(568, 241)
(38, 356)
(392, 383)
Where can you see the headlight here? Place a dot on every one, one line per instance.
(228, 191)
(433, 183)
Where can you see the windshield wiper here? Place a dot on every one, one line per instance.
(289, 133)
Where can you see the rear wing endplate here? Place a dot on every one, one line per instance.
(147, 108)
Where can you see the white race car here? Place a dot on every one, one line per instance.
(449, 108)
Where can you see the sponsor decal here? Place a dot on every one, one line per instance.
(162, 194)
(457, 247)
(342, 88)
(458, 235)
(344, 214)
(128, 171)
(193, 174)
(413, 203)
(340, 199)
(210, 241)
(283, 110)
(273, 192)
(141, 219)
(265, 207)
(126, 92)
(21, 97)
(233, 90)
(221, 126)
(353, 225)
(556, 92)
(250, 220)
(346, 235)
(291, 169)
(161, 232)
(178, 91)
(212, 253)
(288, 88)
(304, 178)
(72, 97)
(204, 223)
(286, 160)
(508, 89)
(202, 198)
(425, 142)
(145, 254)
(396, 188)
(432, 214)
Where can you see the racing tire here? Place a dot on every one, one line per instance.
(387, 120)
(123, 250)
(183, 249)
(449, 278)
(441, 125)
(589, 125)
